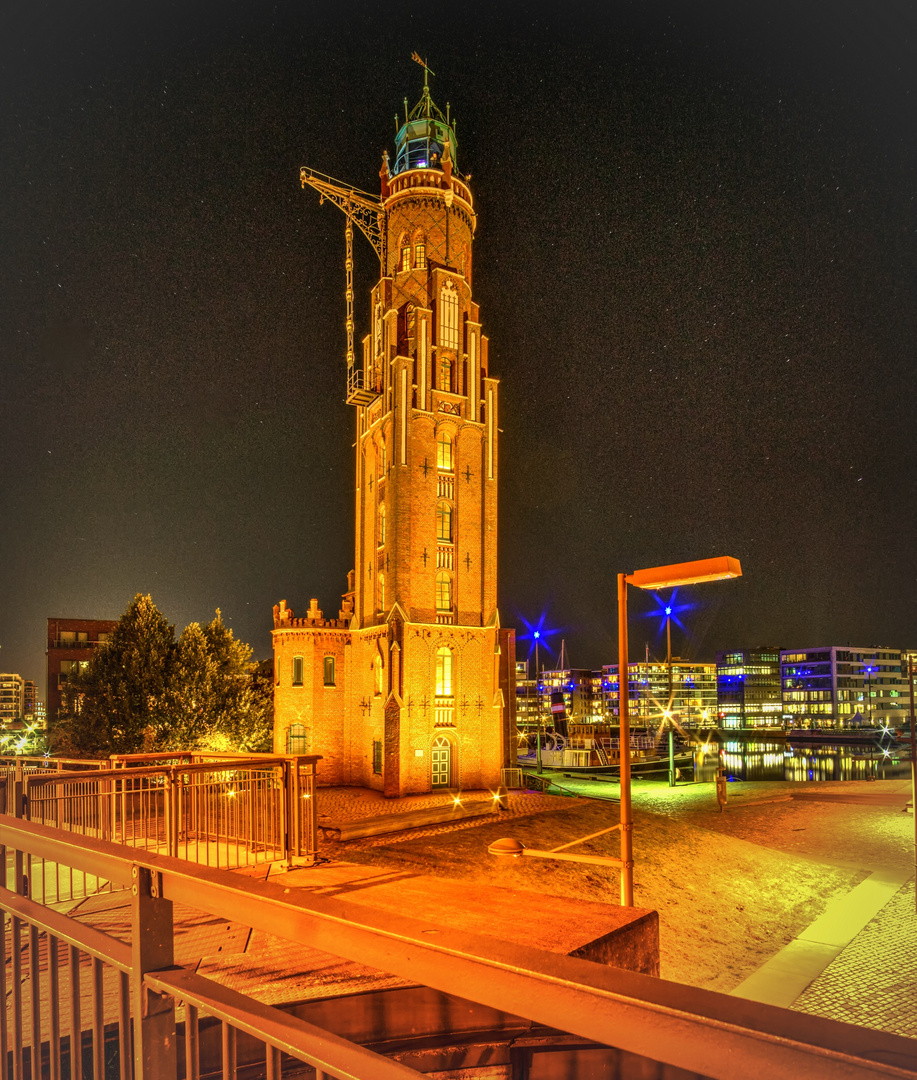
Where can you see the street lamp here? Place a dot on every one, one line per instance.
(657, 577)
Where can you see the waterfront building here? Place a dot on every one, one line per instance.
(11, 698)
(528, 700)
(71, 642)
(29, 698)
(412, 686)
(684, 688)
(572, 694)
(748, 688)
(842, 686)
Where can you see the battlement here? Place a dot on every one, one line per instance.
(284, 619)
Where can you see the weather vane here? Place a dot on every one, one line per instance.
(415, 56)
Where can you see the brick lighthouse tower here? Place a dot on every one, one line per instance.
(411, 687)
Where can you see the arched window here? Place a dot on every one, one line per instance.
(297, 670)
(444, 523)
(443, 591)
(382, 592)
(448, 316)
(445, 374)
(379, 673)
(329, 671)
(420, 254)
(381, 524)
(382, 457)
(405, 258)
(444, 671)
(444, 452)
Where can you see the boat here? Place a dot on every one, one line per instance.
(590, 747)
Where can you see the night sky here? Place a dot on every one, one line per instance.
(695, 261)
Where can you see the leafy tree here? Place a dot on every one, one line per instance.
(146, 691)
(116, 704)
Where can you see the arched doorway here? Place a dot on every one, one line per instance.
(441, 759)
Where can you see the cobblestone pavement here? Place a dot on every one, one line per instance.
(873, 982)
(349, 804)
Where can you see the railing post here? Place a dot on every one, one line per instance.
(168, 812)
(152, 949)
(288, 811)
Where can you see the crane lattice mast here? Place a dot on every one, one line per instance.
(366, 211)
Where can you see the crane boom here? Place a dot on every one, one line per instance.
(366, 210)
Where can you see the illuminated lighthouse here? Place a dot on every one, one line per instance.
(411, 687)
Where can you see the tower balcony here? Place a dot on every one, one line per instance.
(445, 486)
(444, 711)
(444, 557)
(445, 618)
(357, 392)
(430, 180)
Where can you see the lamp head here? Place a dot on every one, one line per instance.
(689, 573)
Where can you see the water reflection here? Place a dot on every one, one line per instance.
(784, 761)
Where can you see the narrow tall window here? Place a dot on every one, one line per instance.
(420, 256)
(297, 671)
(381, 524)
(444, 523)
(382, 458)
(443, 591)
(329, 671)
(444, 671)
(444, 452)
(382, 592)
(405, 258)
(445, 375)
(448, 316)
(377, 757)
(378, 329)
(378, 672)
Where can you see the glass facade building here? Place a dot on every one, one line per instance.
(843, 686)
(685, 688)
(748, 688)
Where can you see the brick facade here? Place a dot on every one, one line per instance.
(419, 697)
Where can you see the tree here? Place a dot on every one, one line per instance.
(117, 703)
(146, 691)
(218, 703)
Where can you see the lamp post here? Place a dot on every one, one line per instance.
(658, 577)
(868, 670)
(910, 676)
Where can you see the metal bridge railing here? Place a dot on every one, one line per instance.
(74, 993)
(227, 812)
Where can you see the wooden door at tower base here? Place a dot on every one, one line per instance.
(441, 756)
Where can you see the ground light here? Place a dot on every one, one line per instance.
(657, 577)
(509, 845)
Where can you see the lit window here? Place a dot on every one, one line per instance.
(420, 256)
(382, 592)
(444, 523)
(405, 259)
(382, 457)
(444, 671)
(444, 452)
(448, 316)
(443, 591)
(329, 671)
(378, 671)
(297, 739)
(445, 375)
(297, 671)
(381, 524)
